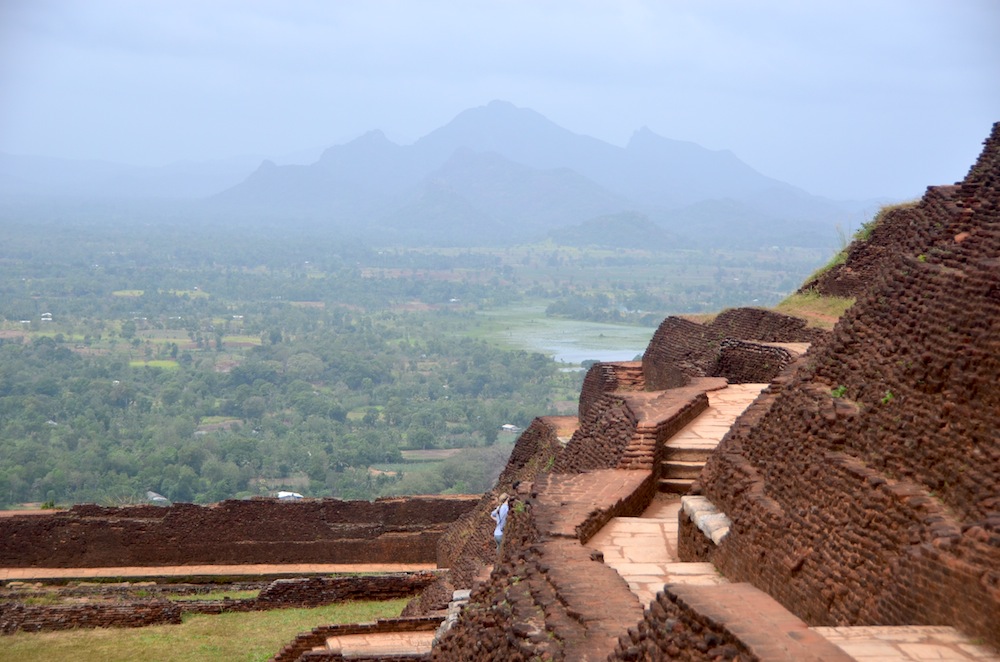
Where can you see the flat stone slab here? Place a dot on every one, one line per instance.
(388, 643)
(709, 520)
(766, 628)
(643, 550)
(568, 500)
(907, 643)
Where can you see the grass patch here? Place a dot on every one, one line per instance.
(215, 595)
(128, 293)
(249, 637)
(820, 311)
(244, 340)
(166, 364)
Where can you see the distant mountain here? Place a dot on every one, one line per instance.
(493, 173)
(500, 172)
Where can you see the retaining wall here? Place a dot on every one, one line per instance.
(233, 532)
(682, 350)
(16, 617)
(865, 491)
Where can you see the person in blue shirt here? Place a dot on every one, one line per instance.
(499, 516)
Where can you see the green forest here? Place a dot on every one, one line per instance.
(207, 363)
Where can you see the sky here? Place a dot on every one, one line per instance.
(851, 99)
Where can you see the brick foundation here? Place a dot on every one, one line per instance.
(233, 532)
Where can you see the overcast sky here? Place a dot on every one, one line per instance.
(846, 98)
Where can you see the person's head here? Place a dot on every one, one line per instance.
(502, 497)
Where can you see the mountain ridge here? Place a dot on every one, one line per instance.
(510, 165)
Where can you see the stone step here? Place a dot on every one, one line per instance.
(681, 468)
(766, 628)
(686, 454)
(676, 485)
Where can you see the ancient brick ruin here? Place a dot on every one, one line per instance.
(861, 488)
(866, 488)
(233, 532)
(120, 605)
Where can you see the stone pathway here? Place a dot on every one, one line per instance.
(907, 643)
(724, 407)
(643, 550)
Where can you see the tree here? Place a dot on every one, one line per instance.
(420, 438)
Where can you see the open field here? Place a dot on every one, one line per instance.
(242, 637)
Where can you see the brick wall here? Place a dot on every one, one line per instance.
(549, 597)
(233, 532)
(763, 326)
(682, 350)
(865, 489)
(679, 351)
(900, 230)
(671, 630)
(129, 611)
(609, 378)
(468, 544)
(627, 430)
(603, 435)
(16, 617)
(743, 362)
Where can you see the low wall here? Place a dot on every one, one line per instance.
(764, 326)
(403, 530)
(743, 362)
(127, 611)
(609, 378)
(682, 350)
(16, 617)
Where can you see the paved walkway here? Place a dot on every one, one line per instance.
(907, 643)
(296, 569)
(644, 551)
(724, 407)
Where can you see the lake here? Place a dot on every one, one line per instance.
(568, 341)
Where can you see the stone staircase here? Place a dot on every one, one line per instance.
(629, 376)
(686, 452)
(643, 550)
(680, 469)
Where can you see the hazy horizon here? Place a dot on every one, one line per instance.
(848, 100)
